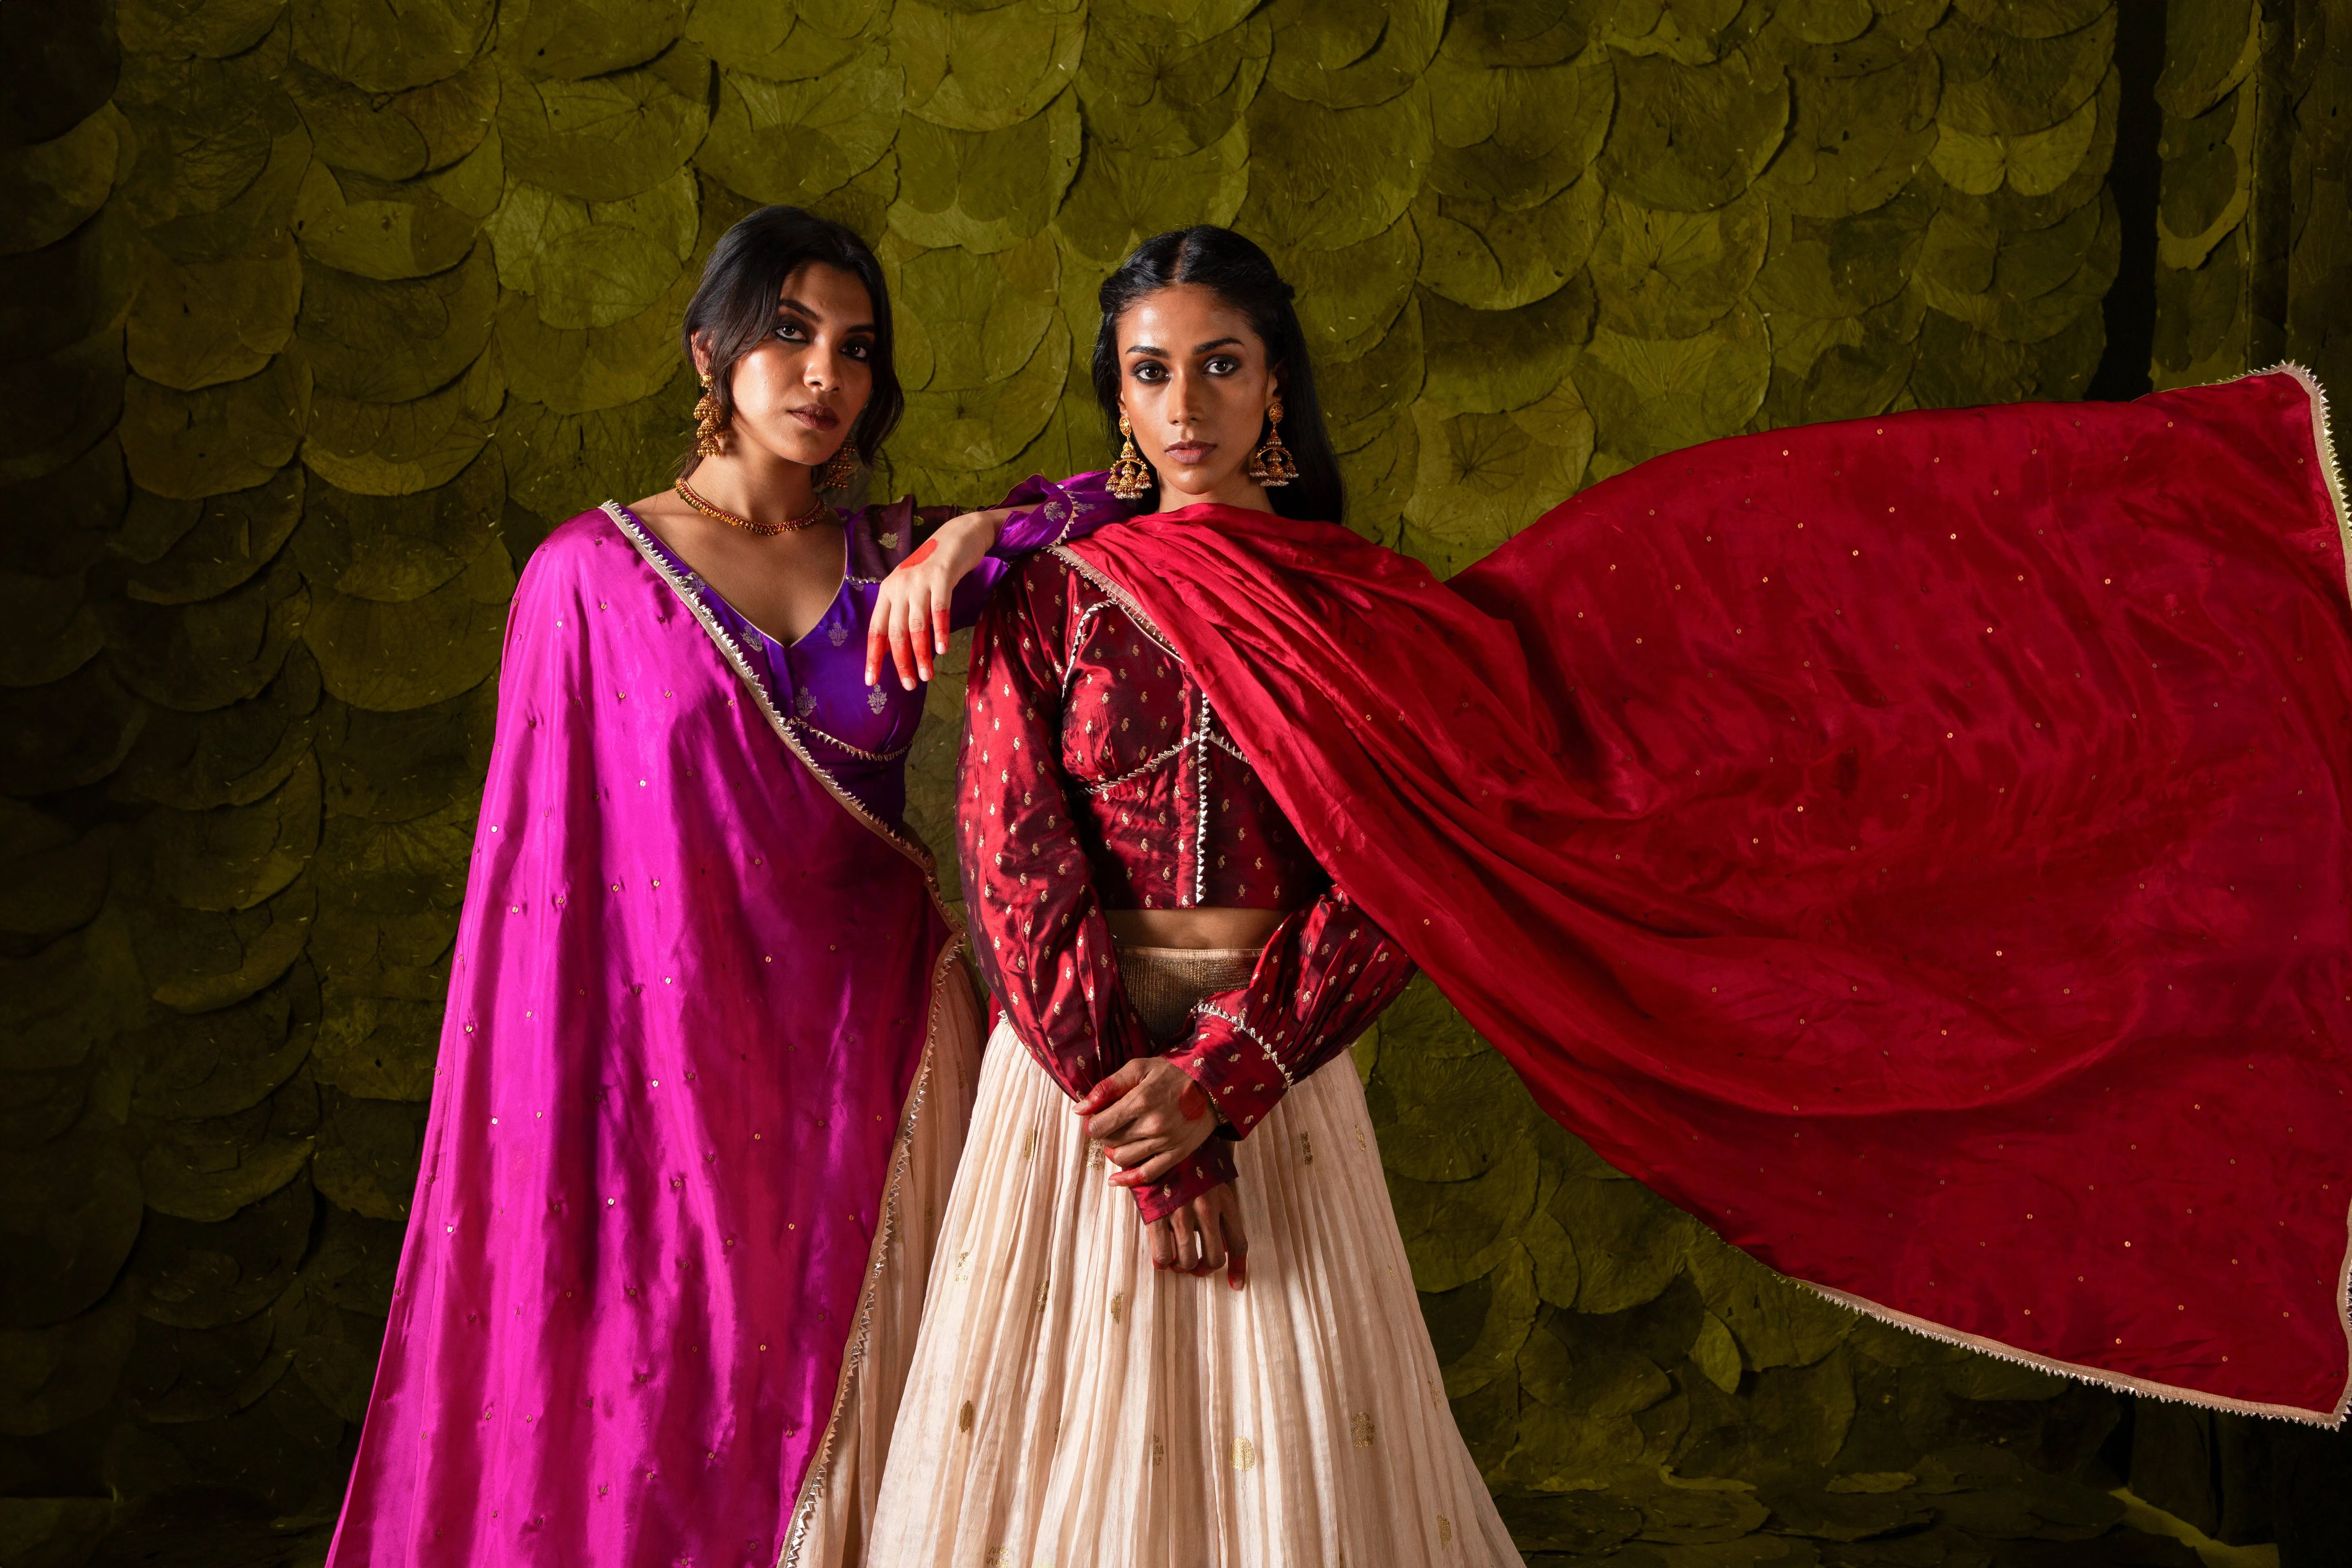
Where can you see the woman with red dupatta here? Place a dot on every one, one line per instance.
(1916, 846)
(1185, 978)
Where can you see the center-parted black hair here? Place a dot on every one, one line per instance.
(1245, 278)
(735, 308)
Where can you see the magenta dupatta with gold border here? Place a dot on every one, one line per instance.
(691, 994)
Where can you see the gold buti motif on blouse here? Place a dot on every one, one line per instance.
(1119, 1307)
(1445, 1531)
(1028, 1144)
(1158, 1449)
(963, 1417)
(1244, 1454)
(1360, 1427)
(1042, 1286)
(1307, 1148)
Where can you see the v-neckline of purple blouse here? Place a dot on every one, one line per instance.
(815, 686)
(721, 604)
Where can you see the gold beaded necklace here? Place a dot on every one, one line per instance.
(816, 513)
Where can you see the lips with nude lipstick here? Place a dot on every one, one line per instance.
(1189, 451)
(816, 417)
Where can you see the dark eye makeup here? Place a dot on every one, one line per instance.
(792, 330)
(1152, 370)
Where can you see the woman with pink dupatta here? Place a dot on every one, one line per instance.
(710, 1049)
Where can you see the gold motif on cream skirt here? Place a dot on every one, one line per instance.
(1069, 1405)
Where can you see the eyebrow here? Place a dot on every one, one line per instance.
(1197, 348)
(788, 303)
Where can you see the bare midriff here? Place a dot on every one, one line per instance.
(1212, 927)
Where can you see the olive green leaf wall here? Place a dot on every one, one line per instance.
(315, 314)
(2254, 231)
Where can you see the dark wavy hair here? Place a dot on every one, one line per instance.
(1245, 278)
(735, 308)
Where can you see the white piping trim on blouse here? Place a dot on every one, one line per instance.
(1141, 768)
(1202, 720)
(1115, 592)
(1252, 1035)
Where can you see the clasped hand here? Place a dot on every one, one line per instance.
(1149, 1117)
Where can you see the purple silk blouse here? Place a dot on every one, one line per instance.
(861, 733)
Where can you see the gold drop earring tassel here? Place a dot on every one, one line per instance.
(837, 472)
(1131, 477)
(711, 425)
(1271, 465)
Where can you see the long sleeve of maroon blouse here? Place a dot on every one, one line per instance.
(1323, 976)
(1043, 943)
(1049, 791)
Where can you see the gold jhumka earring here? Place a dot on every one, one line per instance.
(1131, 477)
(1270, 465)
(711, 425)
(837, 472)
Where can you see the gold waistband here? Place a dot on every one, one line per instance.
(1164, 983)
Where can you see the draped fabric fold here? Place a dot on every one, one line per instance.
(689, 1001)
(1916, 846)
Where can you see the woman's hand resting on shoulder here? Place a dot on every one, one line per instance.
(1149, 1116)
(910, 611)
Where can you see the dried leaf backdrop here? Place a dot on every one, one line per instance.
(319, 313)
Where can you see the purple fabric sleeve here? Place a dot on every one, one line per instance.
(1045, 512)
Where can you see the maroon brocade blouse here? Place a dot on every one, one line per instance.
(1096, 776)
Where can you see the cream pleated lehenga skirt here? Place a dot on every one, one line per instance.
(1069, 1405)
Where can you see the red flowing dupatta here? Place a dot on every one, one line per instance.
(1916, 846)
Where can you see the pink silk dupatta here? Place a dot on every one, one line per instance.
(693, 991)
